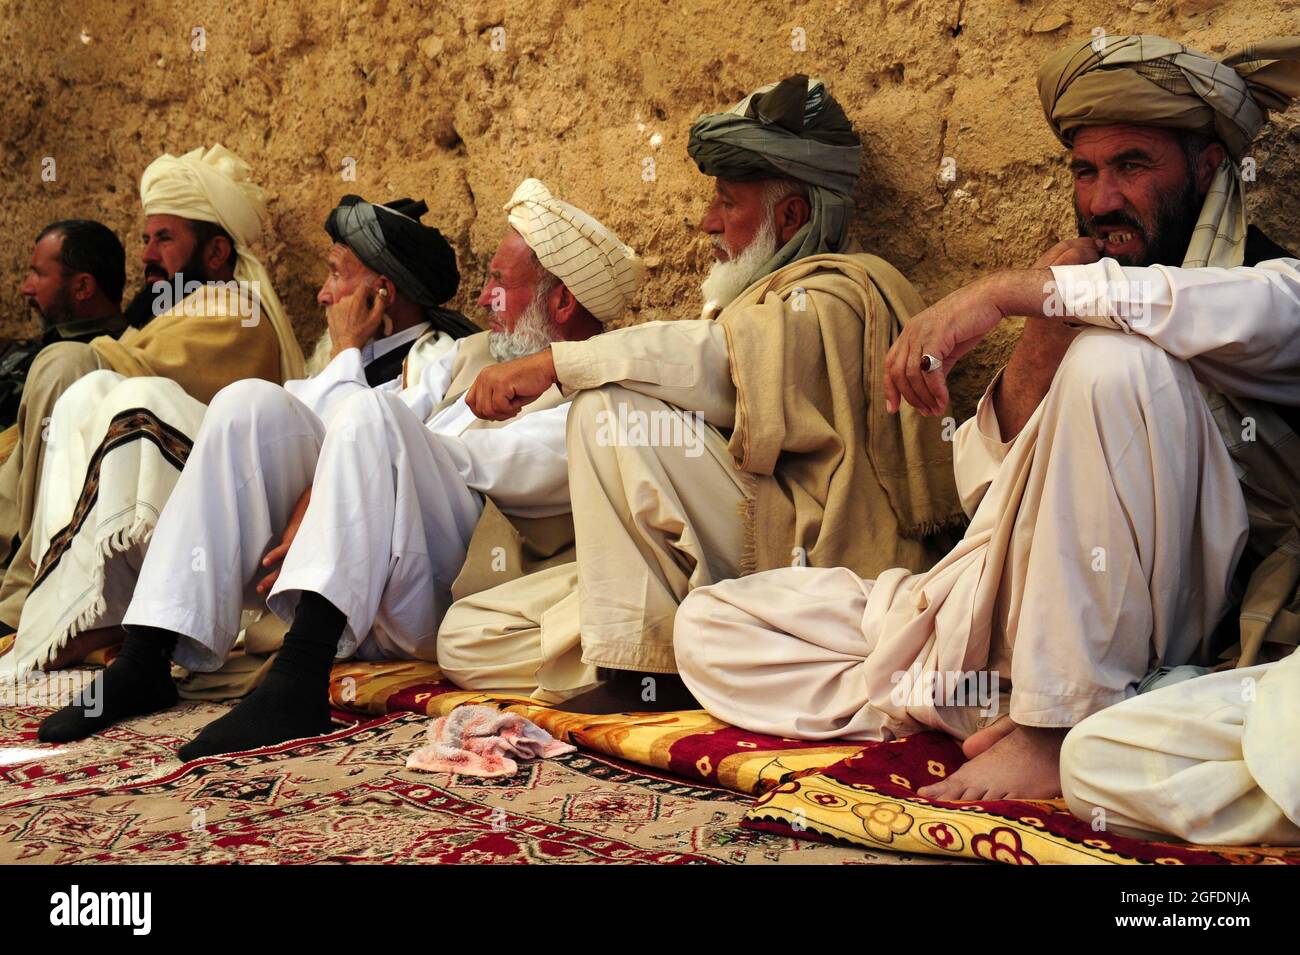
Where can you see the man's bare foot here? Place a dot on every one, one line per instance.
(84, 644)
(977, 743)
(1023, 764)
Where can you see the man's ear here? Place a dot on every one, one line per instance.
(217, 253)
(791, 213)
(1211, 159)
(563, 304)
(384, 282)
(83, 287)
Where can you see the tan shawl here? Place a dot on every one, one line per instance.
(836, 480)
(202, 344)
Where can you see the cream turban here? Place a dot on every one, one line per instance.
(600, 271)
(213, 185)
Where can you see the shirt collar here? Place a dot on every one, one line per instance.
(380, 347)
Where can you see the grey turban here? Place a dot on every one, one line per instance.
(792, 129)
(391, 240)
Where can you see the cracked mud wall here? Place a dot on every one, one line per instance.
(455, 103)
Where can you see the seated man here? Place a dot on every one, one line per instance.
(75, 282)
(707, 449)
(202, 214)
(396, 484)
(119, 443)
(1210, 760)
(1106, 513)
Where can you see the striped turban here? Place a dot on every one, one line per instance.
(793, 129)
(213, 185)
(1152, 81)
(600, 271)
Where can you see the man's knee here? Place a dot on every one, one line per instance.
(456, 632)
(243, 402)
(602, 420)
(132, 392)
(365, 409)
(692, 622)
(1102, 360)
(1085, 752)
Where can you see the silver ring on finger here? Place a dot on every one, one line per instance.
(929, 363)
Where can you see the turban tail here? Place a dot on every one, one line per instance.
(591, 261)
(792, 129)
(213, 186)
(391, 240)
(1152, 81)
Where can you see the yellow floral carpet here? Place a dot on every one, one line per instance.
(849, 794)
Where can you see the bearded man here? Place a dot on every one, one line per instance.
(394, 487)
(110, 472)
(1106, 512)
(213, 318)
(701, 450)
(74, 283)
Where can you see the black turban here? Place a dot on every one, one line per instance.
(391, 240)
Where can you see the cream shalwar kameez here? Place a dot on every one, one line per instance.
(1102, 540)
(653, 522)
(1212, 760)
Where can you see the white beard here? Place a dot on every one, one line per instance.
(533, 331)
(728, 279)
(320, 355)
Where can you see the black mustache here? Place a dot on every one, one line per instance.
(1114, 219)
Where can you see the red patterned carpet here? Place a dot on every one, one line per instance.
(347, 797)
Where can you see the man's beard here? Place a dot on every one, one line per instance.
(1165, 241)
(140, 310)
(533, 331)
(320, 355)
(60, 310)
(727, 279)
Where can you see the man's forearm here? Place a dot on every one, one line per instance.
(1041, 346)
(1028, 373)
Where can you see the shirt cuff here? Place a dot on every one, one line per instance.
(347, 365)
(1098, 293)
(574, 366)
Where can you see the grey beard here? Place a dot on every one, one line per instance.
(728, 279)
(533, 331)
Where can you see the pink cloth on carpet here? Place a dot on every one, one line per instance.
(480, 741)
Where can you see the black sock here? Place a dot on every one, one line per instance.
(138, 681)
(292, 701)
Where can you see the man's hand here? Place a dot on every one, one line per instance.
(275, 556)
(949, 329)
(501, 390)
(1071, 252)
(354, 319)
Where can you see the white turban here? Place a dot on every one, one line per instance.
(600, 271)
(213, 185)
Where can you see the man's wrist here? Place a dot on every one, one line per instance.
(342, 346)
(1021, 291)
